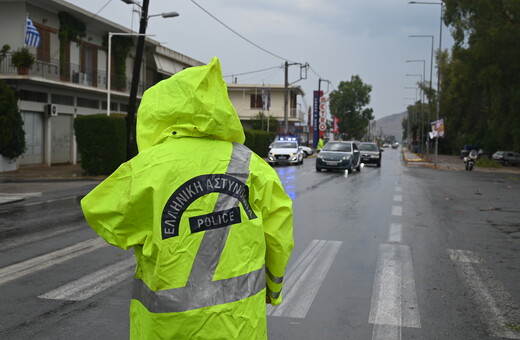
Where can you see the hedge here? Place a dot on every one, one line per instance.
(101, 142)
(12, 134)
(258, 141)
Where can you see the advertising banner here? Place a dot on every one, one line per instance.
(316, 110)
(437, 129)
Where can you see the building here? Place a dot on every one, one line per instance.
(70, 75)
(250, 100)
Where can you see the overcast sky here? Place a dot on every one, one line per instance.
(338, 38)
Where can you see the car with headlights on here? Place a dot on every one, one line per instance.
(339, 155)
(370, 153)
(285, 152)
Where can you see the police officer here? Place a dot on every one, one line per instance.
(209, 221)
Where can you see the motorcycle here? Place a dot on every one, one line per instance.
(470, 159)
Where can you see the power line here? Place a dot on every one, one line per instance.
(96, 14)
(240, 35)
(265, 69)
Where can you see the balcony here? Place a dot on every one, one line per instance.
(297, 114)
(71, 73)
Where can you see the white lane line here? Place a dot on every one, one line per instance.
(395, 232)
(35, 264)
(94, 283)
(304, 279)
(495, 305)
(398, 198)
(398, 189)
(386, 332)
(397, 210)
(394, 301)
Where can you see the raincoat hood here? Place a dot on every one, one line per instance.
(194, 103)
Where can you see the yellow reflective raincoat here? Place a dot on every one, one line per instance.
(209, 221)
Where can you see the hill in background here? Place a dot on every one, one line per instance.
(391, 125)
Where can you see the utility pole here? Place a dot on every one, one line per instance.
(286, 99)
(130, 119)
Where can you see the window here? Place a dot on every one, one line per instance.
(62, 99)
(43, 52)
(33, 96)
(256, 101)
(90, 103)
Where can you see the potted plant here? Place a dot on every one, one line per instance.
(22, 59)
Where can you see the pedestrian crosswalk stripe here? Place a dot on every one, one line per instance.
(304, 279)
(495, 306)
(94, 283)
(35, 264)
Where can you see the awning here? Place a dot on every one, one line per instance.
(165, 65)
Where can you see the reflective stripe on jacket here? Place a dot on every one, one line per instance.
(209, 221)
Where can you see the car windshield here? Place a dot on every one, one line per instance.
(285, 145)
(343, 147)
(368, 147)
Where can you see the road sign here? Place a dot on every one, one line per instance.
(323, 127)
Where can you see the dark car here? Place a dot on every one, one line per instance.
(336, 155)
(370, 153)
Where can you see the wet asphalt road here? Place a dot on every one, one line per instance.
(388, 253)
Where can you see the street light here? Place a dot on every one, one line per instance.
(423, 79)
(438, 69)
(130, 119)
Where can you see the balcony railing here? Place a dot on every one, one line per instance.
(298, 114)
(72, 73)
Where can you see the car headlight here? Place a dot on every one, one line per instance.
(320, 156)
(347, 157)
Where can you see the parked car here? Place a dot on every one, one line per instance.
(507, 157)
(336, 155)
(370, 153)
(285, 152)
(307, 151)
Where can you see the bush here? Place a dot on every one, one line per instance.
(101, 142)
(258, 141)
(488, 163)
(12, 135)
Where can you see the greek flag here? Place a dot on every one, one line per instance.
(32, 36)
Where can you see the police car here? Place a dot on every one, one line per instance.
(285, 151)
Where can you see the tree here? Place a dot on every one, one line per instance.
(12, 135)
(348, 103)
(480, 93)
(260, 122)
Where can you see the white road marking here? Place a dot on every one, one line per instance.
(494, 304)
(36, 236)
(51, 201)
(398, 189)
(386, 332)
(394, 301)
(35, 264)
(397, 210)
(395, 232)
(94, 283)
(304, 279)
(398, 198)
(464, 256)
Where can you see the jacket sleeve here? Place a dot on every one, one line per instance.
(109, 210)
(278, 229)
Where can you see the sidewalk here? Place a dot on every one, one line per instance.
(454, 163)
(33, 181)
